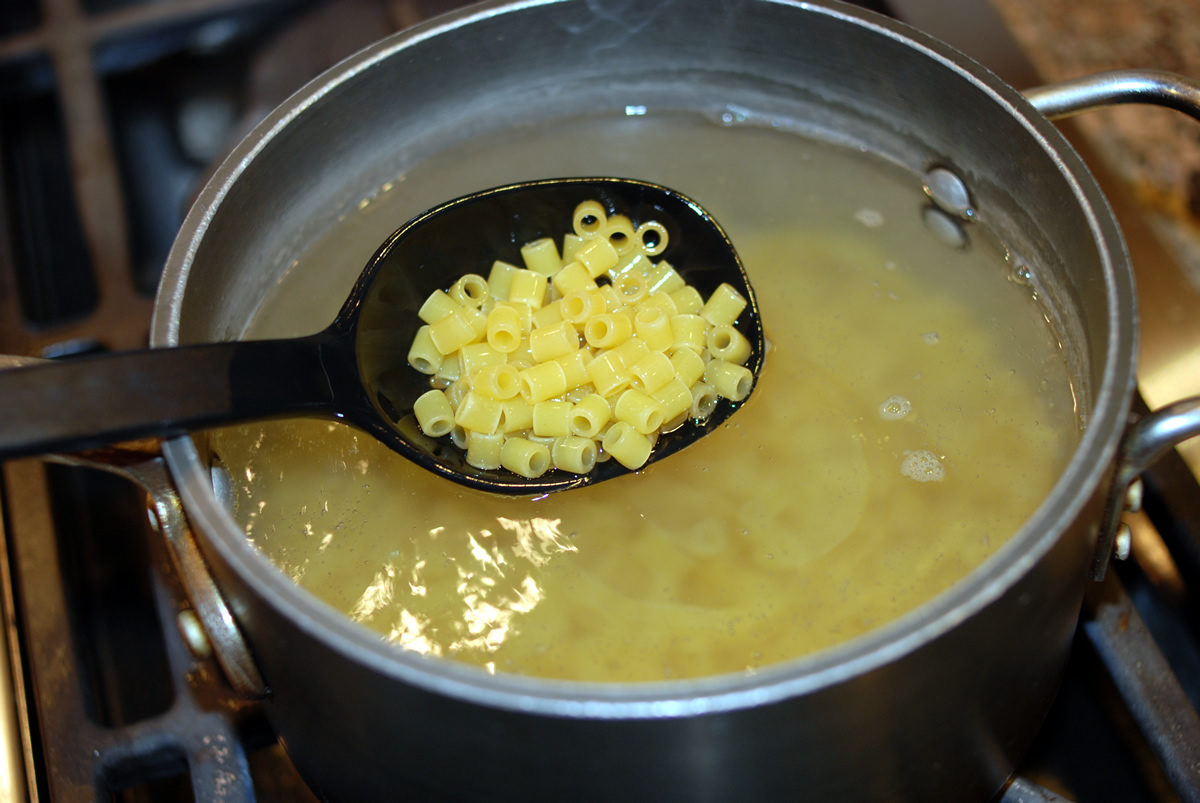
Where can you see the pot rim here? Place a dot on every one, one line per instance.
(985, 584)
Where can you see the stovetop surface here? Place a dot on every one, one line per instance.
(112, 113)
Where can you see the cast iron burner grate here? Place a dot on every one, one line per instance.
(111, 114)
(121, 707)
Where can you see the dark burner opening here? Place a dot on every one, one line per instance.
(102, 526)
(53, 265)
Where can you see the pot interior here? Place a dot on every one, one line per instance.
(390, 134)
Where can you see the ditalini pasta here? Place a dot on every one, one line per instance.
(576, 358)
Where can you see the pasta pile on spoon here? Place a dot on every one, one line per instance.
(578, 357)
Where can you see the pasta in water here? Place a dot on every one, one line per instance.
(577, 358)
(789, 531)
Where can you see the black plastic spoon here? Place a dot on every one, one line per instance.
(356, 370)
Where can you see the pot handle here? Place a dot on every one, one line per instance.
(1114, 88)
(1144, 442)
(1149, 438)
(141, 462)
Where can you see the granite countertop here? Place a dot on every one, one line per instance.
(1147, 159)
(1157, 151)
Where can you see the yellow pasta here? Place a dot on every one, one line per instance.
(608, 374)
(448, 372)
(523, 456)
(548, 442)
(727, 343)
(581, 392)
(630, 351)
(651, 372)
(478, 320)
(524, 313)
(643, 412)
(573, 277)
(688, 365)
(571, 245)
(579, 305)
(504, 330)
(477, 356)
(631, 287)
(665, 278)
(500, 278)
(688, 331)
(457, 390)
(653, 327)
(675, 398)
(574, 365)
(543, 381)
(423, 354)
(607, 330)
(590, 219)
(662, 301)
(470, 290)
(618, 230)
(552, 342)
(731, 381)
(517, 387)
(516, 414)
(527, 287)
(612, 299)
(723, 306)
(541, 256)
(633, 262)
(452, 332)
(590, 415)
(688, 300)
(434, 415)
(477, 412)
(651, 238)
(437, 306)
(597, 256)
(548, 315)
(574, 454)
(483, 450)
(704, 401)
(552, 419)
(500, 381)
(626, 445)
(521, 358)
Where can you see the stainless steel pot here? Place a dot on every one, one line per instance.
(938, 705)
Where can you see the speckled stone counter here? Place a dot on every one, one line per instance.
(1158, 151)
(1147, 159)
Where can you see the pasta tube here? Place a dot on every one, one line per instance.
(574, 454)
(423, 354)
(723, 306)
(523, 456)
(434, 415)
(627, 446)
(541, 256)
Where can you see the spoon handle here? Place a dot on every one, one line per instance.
(75, 404)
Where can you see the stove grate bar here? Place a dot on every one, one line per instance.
(1152, 693)
(200, 732)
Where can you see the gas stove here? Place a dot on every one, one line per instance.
(112, 113)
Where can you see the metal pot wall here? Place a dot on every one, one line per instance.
(938, 705)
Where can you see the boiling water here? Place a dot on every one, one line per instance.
(913, 411)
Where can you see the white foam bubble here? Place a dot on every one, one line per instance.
(931, 338)
(922, 466)
(870, 218)
(894, 408)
